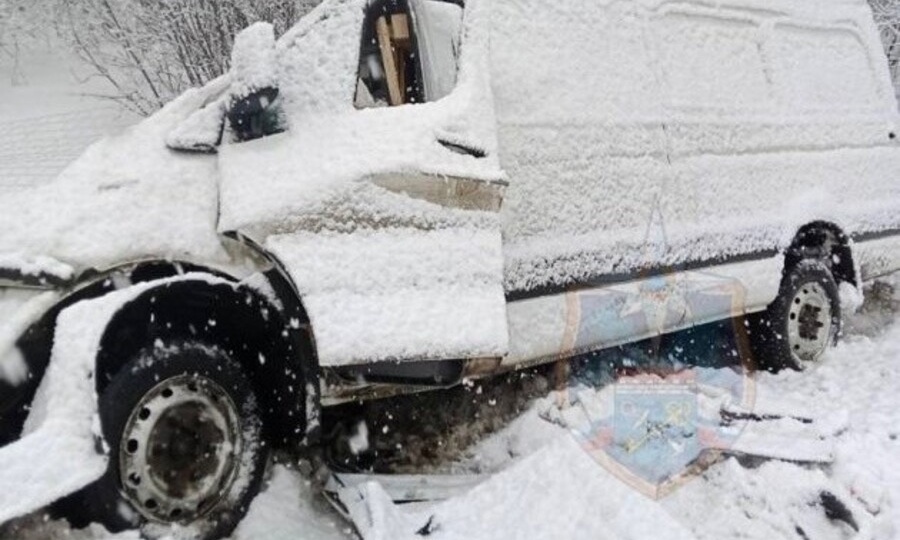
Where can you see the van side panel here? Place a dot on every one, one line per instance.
(579, 133)
(549, 327)
(655, 150)
(796, 128)
(735, 126)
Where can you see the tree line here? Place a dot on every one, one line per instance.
(147, 51)
(887, 18)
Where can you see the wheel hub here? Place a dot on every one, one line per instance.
(178, 448)
(809, 322)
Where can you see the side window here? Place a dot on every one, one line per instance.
(712, 63)
(439, 25)
(409, 52)
(821, 68)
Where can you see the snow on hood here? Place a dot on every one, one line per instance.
(125, 198)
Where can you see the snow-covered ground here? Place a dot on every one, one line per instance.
(48, 131)
(50, 117)
(542, 484)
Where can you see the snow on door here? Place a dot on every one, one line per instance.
(360, 198)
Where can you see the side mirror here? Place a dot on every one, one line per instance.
(255, 115)
(252, 111)
(199, 132)
(248, 103)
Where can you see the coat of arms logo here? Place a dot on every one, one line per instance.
(654, 413)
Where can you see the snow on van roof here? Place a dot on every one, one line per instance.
(819, 7)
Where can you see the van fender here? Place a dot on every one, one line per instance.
(60, 427)
(287, 327)
(828, 242)
(30, 337)
(272, 343)
(92, 338)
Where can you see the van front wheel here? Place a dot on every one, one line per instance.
(805, 318)
(183, 430)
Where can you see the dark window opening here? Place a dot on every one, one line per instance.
(389, 68)
(256, 115)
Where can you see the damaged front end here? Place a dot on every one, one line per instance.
(23, 302)
(52, 443)
(49, 416)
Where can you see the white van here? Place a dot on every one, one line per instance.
(401, 194)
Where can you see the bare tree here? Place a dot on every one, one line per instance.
(20, 31)
(149, 51)
(887, 17)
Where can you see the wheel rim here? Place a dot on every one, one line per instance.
(809, 322)
(177, 452)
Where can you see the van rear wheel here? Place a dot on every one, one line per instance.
(803, 321)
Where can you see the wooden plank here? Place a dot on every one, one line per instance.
(401, 41)
(400, 27)
(387, 60)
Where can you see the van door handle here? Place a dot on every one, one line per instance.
(461, 148)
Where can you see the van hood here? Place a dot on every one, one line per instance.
(126, 198)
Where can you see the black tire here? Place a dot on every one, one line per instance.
(773, 345)
(124, 400)
(13, 410)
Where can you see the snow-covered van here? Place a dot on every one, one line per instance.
(399, 195)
